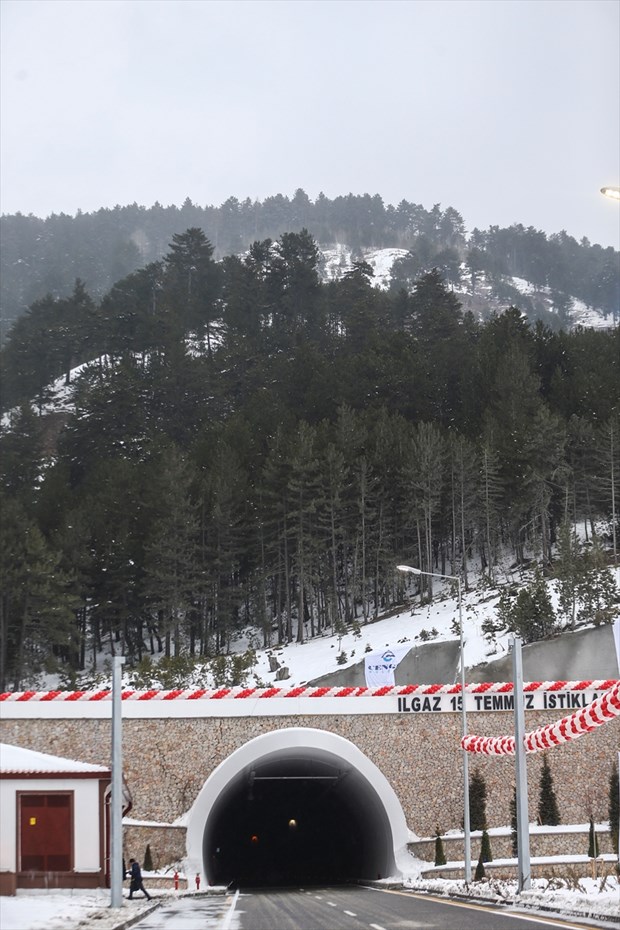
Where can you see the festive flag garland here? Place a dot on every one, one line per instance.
(205, 694)
(569, 728)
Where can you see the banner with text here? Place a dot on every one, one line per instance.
(535, 700)
(379, 667)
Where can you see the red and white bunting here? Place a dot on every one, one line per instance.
(584, 720)
(304, 691)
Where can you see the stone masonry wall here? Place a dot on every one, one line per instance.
(541, 844)
(167, 843)
(167, 761)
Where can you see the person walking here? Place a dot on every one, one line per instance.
(136, 883)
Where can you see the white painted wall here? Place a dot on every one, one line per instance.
(85, 818)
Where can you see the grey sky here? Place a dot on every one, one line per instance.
(507, 111)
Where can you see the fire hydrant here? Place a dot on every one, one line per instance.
(197, 881)
(176, 881)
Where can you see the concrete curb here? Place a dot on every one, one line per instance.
(124, 922)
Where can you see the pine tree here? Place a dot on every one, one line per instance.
(597, 589)
(568, 570)
(592, 841)
(485, 847)
(548, 812)
(440, 856)
(545, 468)
(514, 835)
(614, 806)
(304, 494)
(148, 859)
(477, 801)
(191, 284)
(480, 874)
(171, 550)
(489, 494)
(36, 600)
(531, 613)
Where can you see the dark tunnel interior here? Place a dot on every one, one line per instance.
(299, 818)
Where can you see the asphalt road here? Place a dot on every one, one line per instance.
(345, 908)
(372, 909)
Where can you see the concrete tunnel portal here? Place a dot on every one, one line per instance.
(296, 806)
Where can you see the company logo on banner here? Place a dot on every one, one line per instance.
(380, 666)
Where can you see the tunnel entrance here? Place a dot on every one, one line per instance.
(296, 807)
(292, 820)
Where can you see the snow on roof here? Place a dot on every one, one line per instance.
(16, 759)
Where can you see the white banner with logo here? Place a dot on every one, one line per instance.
(380, 666)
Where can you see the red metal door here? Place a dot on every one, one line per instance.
(45, 830)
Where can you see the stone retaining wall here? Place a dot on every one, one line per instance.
(167, 761)
(574, 843)
(564, 870)
(167, 843)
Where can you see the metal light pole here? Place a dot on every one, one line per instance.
(466, 819)
(523, 819)
(116, 801)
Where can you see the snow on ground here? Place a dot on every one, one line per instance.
(56, 910)
(307, 661)
(414, 625)
(585, 897)
(381, 261)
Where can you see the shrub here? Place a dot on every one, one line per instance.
(148, 859)
(480, 874)
(477, 801)
(592, 841)
(485, 848)
(440, 856)
(530, 615)
(548, 812)
(513, 823)
(614, 806)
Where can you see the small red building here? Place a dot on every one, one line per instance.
(53, 823)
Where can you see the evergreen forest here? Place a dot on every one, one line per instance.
(43, 257)
(217, 444)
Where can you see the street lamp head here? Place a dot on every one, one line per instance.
(409, 568)
(612, 192)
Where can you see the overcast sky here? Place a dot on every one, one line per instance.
(507, 111)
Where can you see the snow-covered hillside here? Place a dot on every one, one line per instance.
(338, 259)
(413, 626)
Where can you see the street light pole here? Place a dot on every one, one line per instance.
(116, 801)
(466, 817)
(523, 820)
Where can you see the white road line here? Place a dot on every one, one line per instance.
(350, 913)
(377, 927)
(231, 911)
(331, 904)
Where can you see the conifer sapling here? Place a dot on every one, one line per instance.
(548, 811)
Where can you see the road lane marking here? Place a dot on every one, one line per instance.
(331, 904)
(377, 927)
(503, 912)
(231, 911)
(350, 914)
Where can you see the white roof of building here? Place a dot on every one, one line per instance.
(16, 759)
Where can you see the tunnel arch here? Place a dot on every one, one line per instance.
(345, 818)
